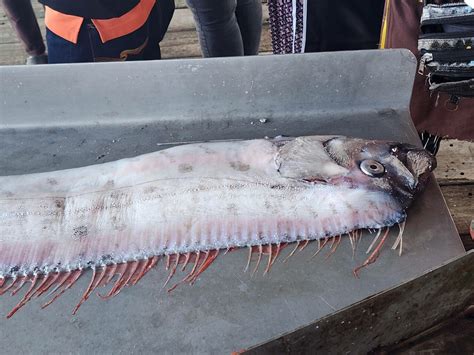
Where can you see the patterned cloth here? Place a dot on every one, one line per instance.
(287, 25)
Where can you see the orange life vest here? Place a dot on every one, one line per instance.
(68, 26)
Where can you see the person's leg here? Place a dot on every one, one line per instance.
(217, 27)
(23, 20)
(158, 23)
(249, 18)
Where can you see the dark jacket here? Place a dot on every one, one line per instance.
(343, 25)
(92, 9)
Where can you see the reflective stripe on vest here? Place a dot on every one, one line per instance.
(68, 26)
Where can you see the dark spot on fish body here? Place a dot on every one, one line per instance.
(185, 168)
(59, 204)
(14, 269)
(106, 259)
(277, 187)
(232, 208)
(52, 181)
(235, 186)
(188, 226)
(239, 166)
(120, 227)
(333, 208)
(80, 232)
(149, 189)
(208, 150)
(348, 205)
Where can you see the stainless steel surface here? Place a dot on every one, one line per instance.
(88, 114)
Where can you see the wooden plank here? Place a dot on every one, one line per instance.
(12, 54)
(460, 201)
(179, 4)
(455, 174)
(38, 8)
(455, 162)
(183, 44)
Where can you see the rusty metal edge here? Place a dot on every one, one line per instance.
(386, 318)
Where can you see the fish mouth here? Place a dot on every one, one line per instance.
(414, 171)
(418, 161)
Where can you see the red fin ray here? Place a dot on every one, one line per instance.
(26, 297)
(66, 284)
(130, 273)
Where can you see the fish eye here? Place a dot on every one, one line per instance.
(372, 168)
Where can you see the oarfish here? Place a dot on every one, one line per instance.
(185, 205)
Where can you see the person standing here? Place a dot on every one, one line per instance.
(23, 20)
(104, 30)
(303, 26)
(227, 27)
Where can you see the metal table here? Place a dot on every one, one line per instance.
(63, 116)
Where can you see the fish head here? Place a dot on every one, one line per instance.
(396, 168)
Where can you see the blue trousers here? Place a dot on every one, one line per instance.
(228, 27)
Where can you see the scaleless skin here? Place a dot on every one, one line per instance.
(186, 203)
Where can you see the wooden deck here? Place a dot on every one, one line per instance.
(455, 172)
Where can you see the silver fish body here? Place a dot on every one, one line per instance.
(198, 198)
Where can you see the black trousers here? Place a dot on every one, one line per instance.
(228, 27)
